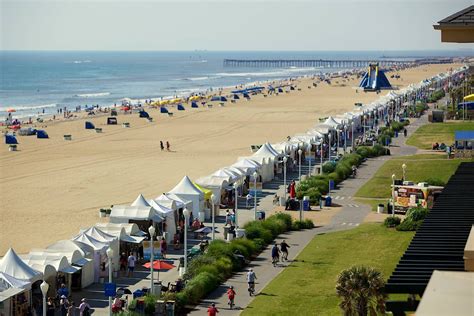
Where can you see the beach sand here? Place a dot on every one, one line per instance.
(51, 188)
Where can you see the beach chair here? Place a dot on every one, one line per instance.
(98, 130)
(170, 114)
(125, 125)
(209, 106)
(221, 104)
(232, 101)
(67, 137)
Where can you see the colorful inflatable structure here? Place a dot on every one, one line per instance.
(374, 79)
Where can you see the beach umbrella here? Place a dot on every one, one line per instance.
(10, 110)
(159, 265)
(466, 98)
(204, 230)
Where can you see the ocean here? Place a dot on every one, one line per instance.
(31, 82)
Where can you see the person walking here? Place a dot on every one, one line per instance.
(293, 189)
(162, 146)
(212, 310)
(231, 296)
(251, 277)
(123, 263)
(284, 250)
(63, 305)
(131, 264)
(405, 132)
(167, 145)
(84, 308)
(163, 247)
(51, 307)
(275, 254)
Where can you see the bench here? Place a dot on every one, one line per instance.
(67, 137)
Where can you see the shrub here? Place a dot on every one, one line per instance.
(259, 243)
(286, 218)
(200, 286)
(384, 139)
(417, 213)
(363, 151)
(409, 225)
(255, 230)
(435, 181)
(392, 221)
(219, 248)
(246, 247)
(150, 302)
(298, 225)
(308, 224)
(329, 167)
(314, 195)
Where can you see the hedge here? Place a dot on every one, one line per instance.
(413, 219)
(435, 96)
(208, 270)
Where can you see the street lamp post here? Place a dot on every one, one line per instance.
(393, 194)
(152, 231)
(352, 136)
(110, 254)
(213, 202)
(236, 201)
(186, 214)
(285, 159)
(404, 167)
(44, 290)
(309, 160)
(329, 147)
(299, 157)
(255, 175)
(345, 138)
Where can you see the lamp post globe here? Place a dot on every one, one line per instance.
(44, 290)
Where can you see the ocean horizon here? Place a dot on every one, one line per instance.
(37, 81)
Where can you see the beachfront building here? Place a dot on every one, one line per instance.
(458, 27)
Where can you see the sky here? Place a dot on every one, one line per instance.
(292, 25)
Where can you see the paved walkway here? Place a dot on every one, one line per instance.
(351, 216)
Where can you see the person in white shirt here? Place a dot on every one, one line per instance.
(131, 264)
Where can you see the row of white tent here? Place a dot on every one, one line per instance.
(85, 252)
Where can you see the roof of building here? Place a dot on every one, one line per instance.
(463, 17)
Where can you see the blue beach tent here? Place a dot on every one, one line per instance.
(466, 106)
(10, 140)
(374, 79)
(194, 105)
(236, 97)
(292, 88)
(280, 90)
(219, 98)
(246, 95)
(163, 110)
(143, 114)
(181, 107)
(89, 125)
(41, 134)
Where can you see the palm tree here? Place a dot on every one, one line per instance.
(361, 291)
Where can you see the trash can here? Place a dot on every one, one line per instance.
(137, 293)
(170, 308)
(306, 203)
(282, 201)
(226, 231)
(328, 201)
(201, 216)
(157, 288)
(230, 237)
(380, 208)
(260, 215)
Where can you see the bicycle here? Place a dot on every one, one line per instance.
(251, 288)
(231, 303)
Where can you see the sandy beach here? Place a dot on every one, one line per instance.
(51, 187)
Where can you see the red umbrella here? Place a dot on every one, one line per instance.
(10, 110)
(159, 265)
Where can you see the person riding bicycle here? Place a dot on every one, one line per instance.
(231, 295)
(251, 277)
(284, 250)
(275, 254)
(354, 170)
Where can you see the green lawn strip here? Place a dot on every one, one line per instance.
(418, 169)
(307, 286)
(428, 134)
(373, 202)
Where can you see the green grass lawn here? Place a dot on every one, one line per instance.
(419, 168)
(307, 286)
(428, 134)
(373, 202)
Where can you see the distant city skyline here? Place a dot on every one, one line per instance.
(319, 25)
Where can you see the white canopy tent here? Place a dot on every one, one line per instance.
(14, 266)
(332, 122)
(131, 229)
(170, 219)
(110, 240)
(9, 287)
(229, 175)
(121, 234)
(122, 214)
(140, 201)
(168, 202)
(215, 184)
(187, 190)
(75, 259)
(70, 245)
(247, 165)
(180, 201)
(100, 248)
